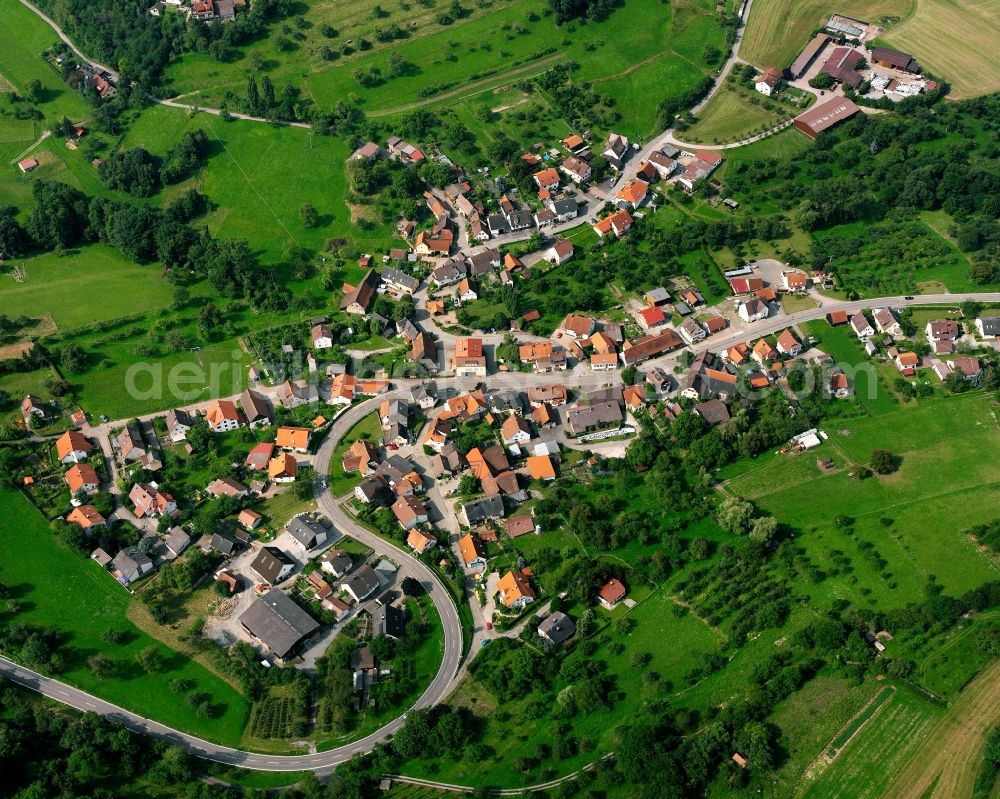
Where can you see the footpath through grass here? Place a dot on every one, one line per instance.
(60, 589)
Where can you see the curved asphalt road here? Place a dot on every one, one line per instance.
(320, 762)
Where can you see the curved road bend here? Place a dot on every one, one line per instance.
(321, 762)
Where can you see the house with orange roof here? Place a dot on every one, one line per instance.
(409, 512)
(360, 457)
(794, 280)
(515, 590)
(907, 363)
(762, 351)
(543, 415)
(651, 317)
(477, 463)
(435, 307)
(540, 467)
(515, 430)
(149, 501)
(534, 351)
(737, 354)
(86, 516)
(632, 194)
(293, 438)
(249, 519)
(283, 468)
(617, 224)
(602, 344)
(464, 406)
(635, 397)
(73, 447)
(787, 343)
(222, 416)
(577, 326)
(604, 361)
(472, 551)
(82, 477)
(469, 359)
(547, 179)
(437, 434)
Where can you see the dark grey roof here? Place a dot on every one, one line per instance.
(362, 582)
(254, 406)
(991, 325)
(278, 622)
(177, 540)
(388, 620)
(479, 510)
(339, 560)
(714, 411)
(306, 530)
(564, 206)
(601, 395)
(507, 400)
(268, 563)
(131, 563)
(224, 544)
(392, 275)
(557, 627)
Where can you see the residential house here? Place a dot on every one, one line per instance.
(249, 519)
(515, 590)
(149, 501)
(403, 150)
(179, 422)
(577, 326)
(988, 327)
(836, 318)
(547, 179)
(369, 151)
(970, 369)
(557, 628)
(361, 584)
(604, 361)
(632, 195)
(560, 252)
(515, 430)
(388, 620)
(357, 299)
(395, 417)
(222, 416)
(484, 261)
(272, 565)
(478, 511)
(838, 384)
(794, 280)
(336, 562)
(787, 344)
(861, 326)
(753, 310)
(746, 285)
(131, 447)
(651, 318)
(563, 210)
(225, 487)
(663, 164)
(617, 224)
(176, 541)
(448, 273)
(419, 541)
(467, 291)
(278, 622)
(767, 82)
(763, 352)
(616, 151)
(283, 468)
(308, 530)
(704, 164)
(322, 337)
(397, 280)
(294, 394)
(611, 593)
(942, 330)
(576, 169)
(73, 447)
(469, 360)
(691, 331)
(714, 412)
(295, 439)
(554, 394)
(472, 551)
(223, 544)
(907, 363)
(86, 516)
(887, 322)
(131, 564)
(428, 243)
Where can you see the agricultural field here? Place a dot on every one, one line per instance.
(514, 41)
(906, 526)
(864, 768)
(728, 117)
(32, 562)
(778, 29)
(958, 40)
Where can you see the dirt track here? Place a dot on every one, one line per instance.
(945, 765)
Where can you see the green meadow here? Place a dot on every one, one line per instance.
(46, 579)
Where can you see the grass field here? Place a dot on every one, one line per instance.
(727, 117)
(958, 40)
(866, 765)
(778, 29)
(369, 429)
(32, 563)
(516, 40)
(64, 285)
(937, 493)
(654, 621)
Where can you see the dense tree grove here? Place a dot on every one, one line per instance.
(64, 217)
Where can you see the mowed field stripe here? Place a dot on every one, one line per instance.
(945, 765)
